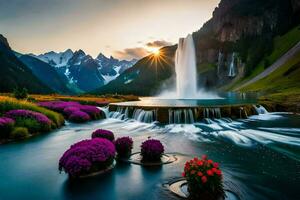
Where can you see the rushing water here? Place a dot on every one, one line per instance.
(232, 72)
(260, 157)
(185, 67)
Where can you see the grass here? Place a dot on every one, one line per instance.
(86, 99)
(281, 45)
(282, 87)
(286, 78)
(8, 103)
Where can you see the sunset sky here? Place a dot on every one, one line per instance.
(122, 28)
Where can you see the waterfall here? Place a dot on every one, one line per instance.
(232, 72)
(146, 116)
(220, 61)
(105, 110)
(185, 67)
(181, 116)
(260, 109)
(212, 113)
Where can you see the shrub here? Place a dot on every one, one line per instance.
(79, 117)
(69, 110)
(204, 179)
(101, 133)
(20, 93)
(58, 106)
(87, 156)
(124, 146)
(7, 104)
(152, 150)
(27, 117)
(93, 111)
(19, 133)
(6, 126)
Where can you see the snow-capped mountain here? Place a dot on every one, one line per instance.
(82, 70)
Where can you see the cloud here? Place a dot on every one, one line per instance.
(130, 53)
(158, 43)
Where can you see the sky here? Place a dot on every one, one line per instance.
(122, 28)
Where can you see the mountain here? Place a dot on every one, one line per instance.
(241, 35)
(46, 73)
(82, 71)
(14, 73)
(145, 77)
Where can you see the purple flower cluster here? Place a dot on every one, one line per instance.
(39, 117)
(6, 125)
(87, 156)
(102, 133)
(124, 146)
(70, 110)
(79, 117)
(93, 111)
(58, 106)
(152, 150)
(4, 121)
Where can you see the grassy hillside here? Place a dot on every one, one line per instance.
(281, 44)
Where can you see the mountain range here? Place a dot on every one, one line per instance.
(249, 35)
(65, 72)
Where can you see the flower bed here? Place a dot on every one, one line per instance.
(69, 108)
(79, 117)
(101, 133)
(204, 179)
(36, 122)
(152, 150)
(6, 126)
(87, 156)
(124, 146)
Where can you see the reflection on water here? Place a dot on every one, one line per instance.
(260, 157)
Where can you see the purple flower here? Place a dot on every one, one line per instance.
(58, 106)
(69, 110)
(124, 146)
(87, 156)
(39, 117)
(101, 133)
(93, 111)
(79, 117)
(5, 121)
(152, 150)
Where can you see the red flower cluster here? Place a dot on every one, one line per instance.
(202, 171)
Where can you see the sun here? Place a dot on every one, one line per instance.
(155, 51)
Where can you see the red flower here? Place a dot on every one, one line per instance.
(193, 172)
(204, 157)
(210, 161)
(183, 174)
(204, 179)
(210, 172)
(195, 159)
(218, 172)
(200, 163)
(214, 170)
(216, 165)
(200, 174)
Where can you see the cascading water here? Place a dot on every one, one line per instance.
(185, 67)
(260, 109)
(232, 72)
(146, 116)
(212, 113)
(181, 116)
